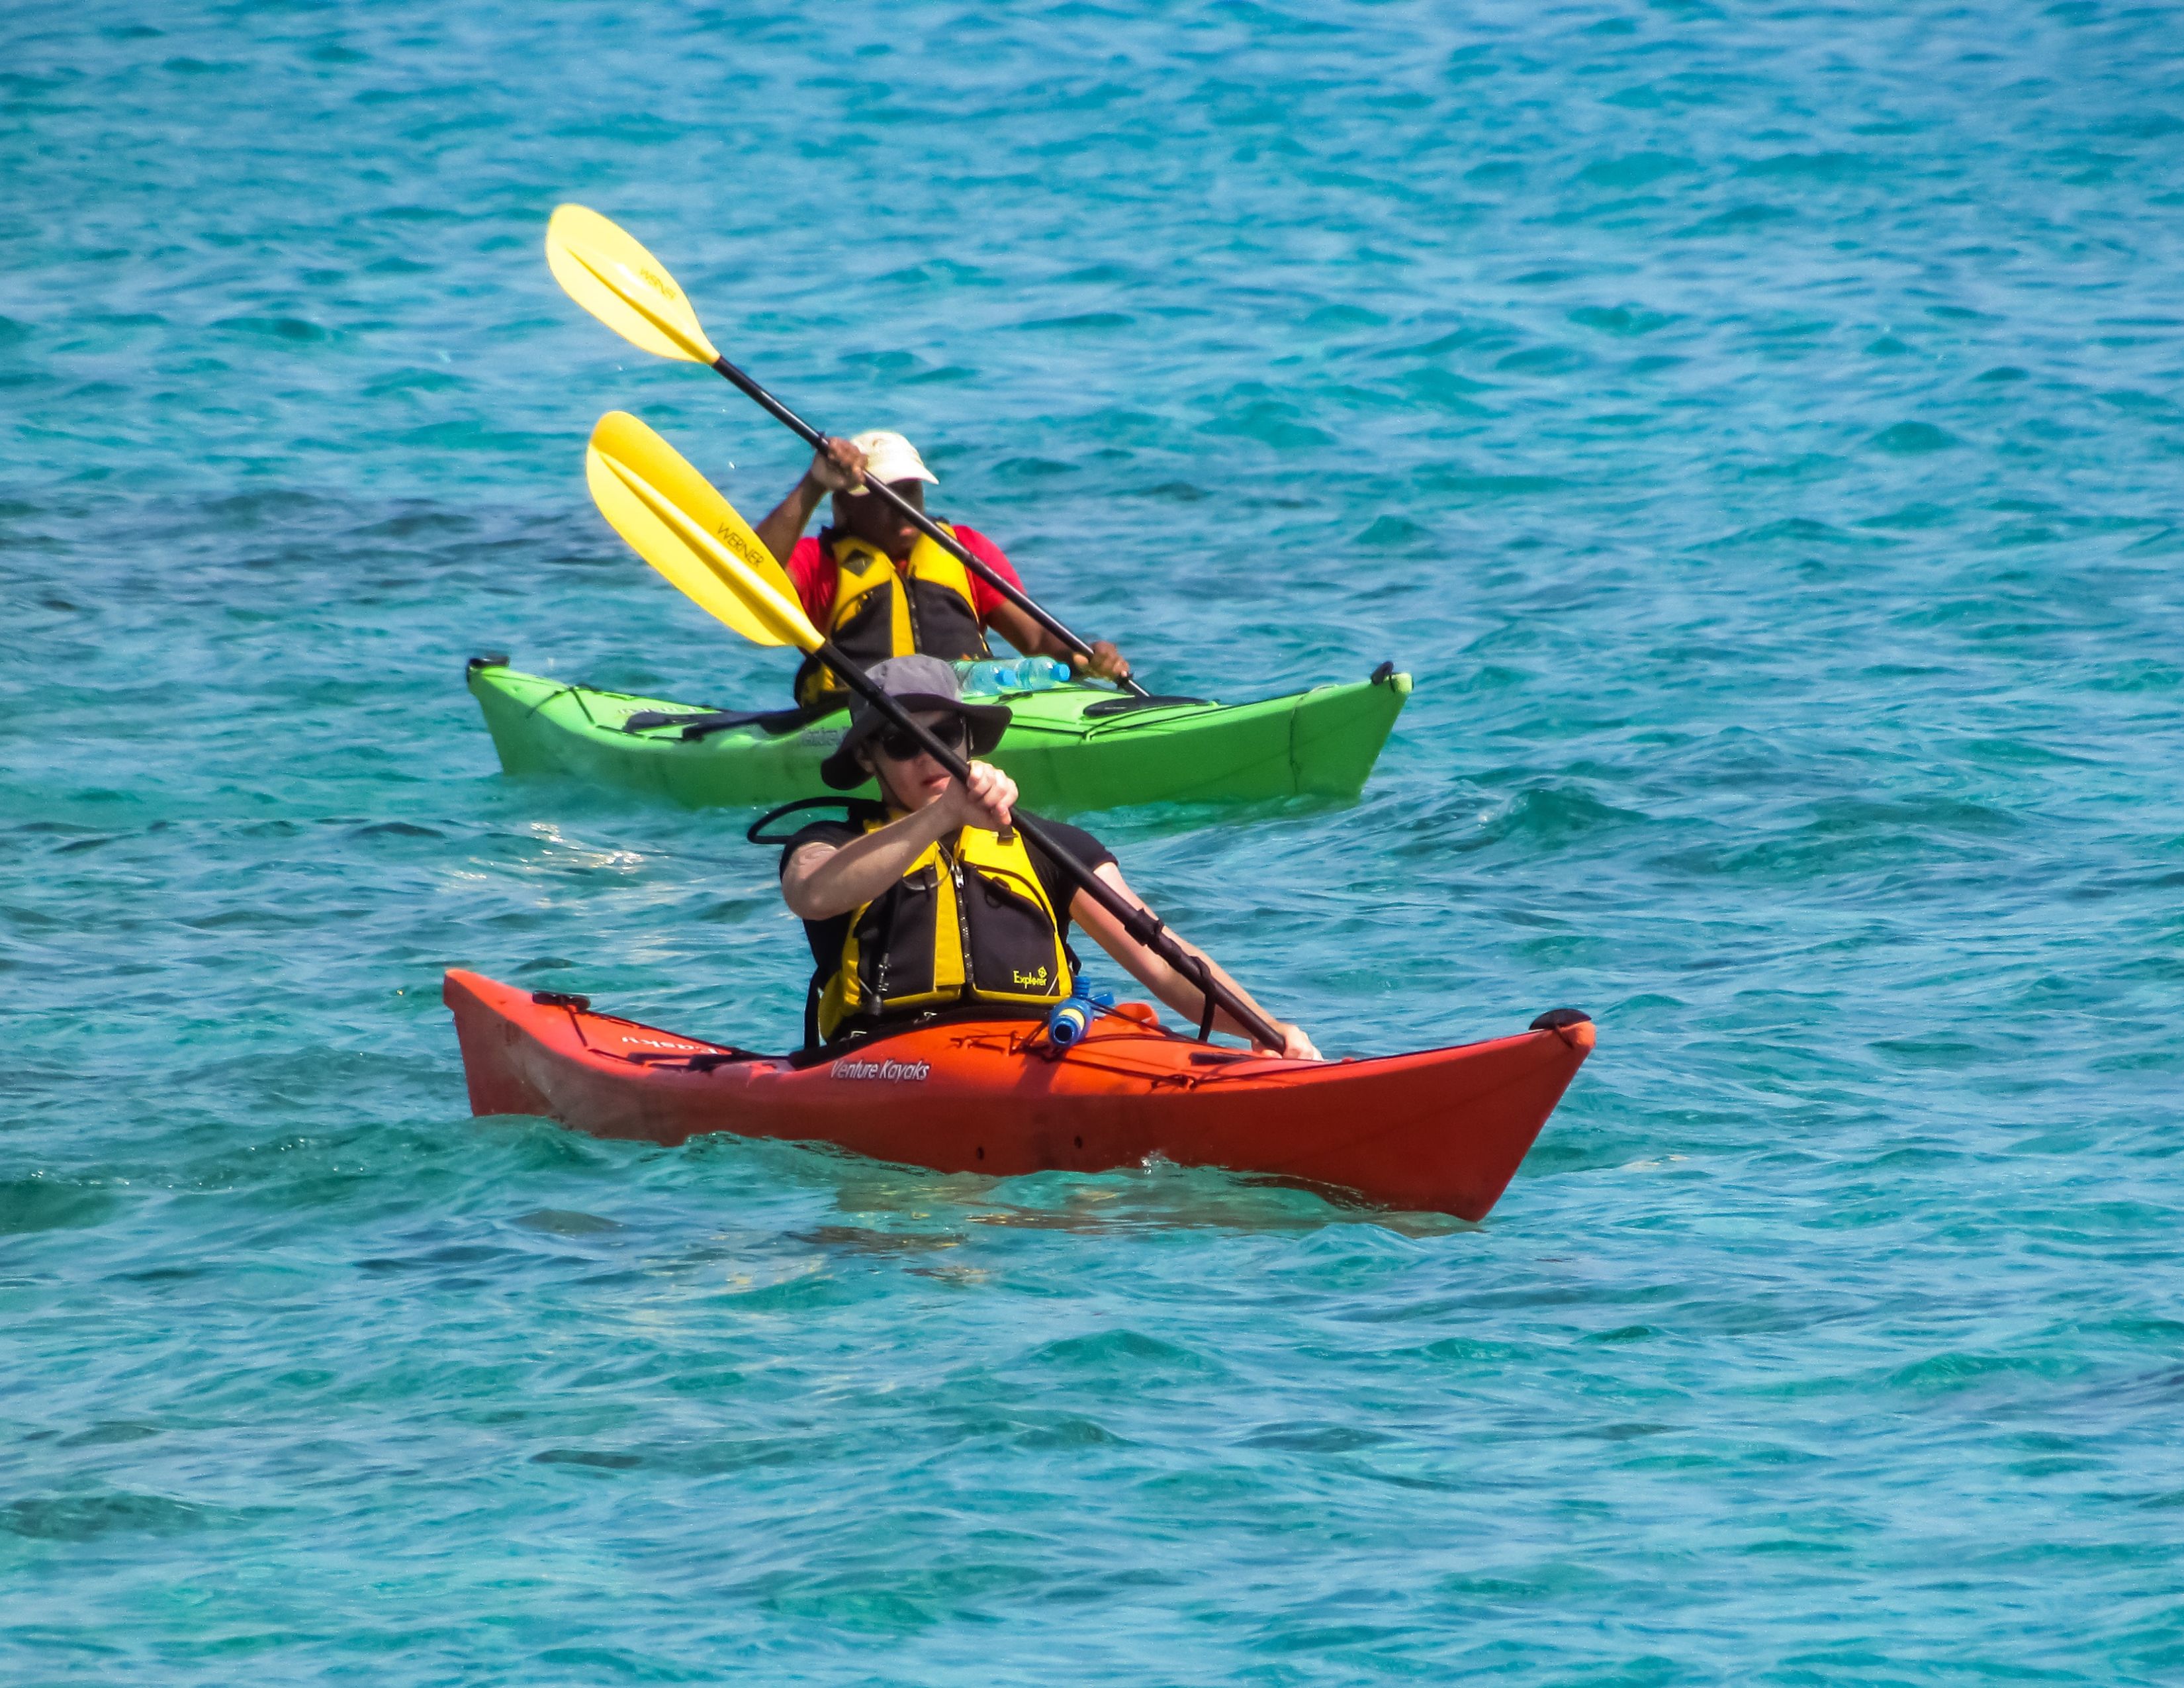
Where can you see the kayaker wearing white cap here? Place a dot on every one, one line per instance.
(929, 902)
(878, 587)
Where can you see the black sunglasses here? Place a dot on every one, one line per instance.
(953, 731)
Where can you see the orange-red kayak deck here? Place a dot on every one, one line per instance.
(1442, 1130)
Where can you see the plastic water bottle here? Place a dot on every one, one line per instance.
(1073, 1017)
(993, 677)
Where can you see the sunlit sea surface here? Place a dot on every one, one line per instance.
(1757, 428)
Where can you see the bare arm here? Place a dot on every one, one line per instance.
(824, 880)
(1179, 993)
(836, 469)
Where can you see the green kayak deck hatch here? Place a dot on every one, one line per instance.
(1070, 748)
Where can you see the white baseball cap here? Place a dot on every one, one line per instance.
(889, 457)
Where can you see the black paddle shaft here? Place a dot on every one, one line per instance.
(924, 524)
(1142, 924)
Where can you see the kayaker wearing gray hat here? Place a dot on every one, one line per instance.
(919, 683)
(878, 587)
(929, 901)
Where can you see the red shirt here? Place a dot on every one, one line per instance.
(811, 572)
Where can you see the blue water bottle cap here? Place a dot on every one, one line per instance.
(1069, 1021)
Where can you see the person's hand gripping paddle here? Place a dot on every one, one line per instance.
(604, 269)
(673, 518)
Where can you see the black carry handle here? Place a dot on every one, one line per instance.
(1143, 925)
(924, 524)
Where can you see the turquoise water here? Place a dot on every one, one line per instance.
(1759, 428)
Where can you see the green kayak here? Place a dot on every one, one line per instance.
(1071, 747)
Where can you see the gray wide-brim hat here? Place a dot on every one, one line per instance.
(916, 683)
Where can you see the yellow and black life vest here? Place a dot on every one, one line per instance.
(969, 922)
(925, 608)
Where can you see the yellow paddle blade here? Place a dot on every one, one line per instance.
(624, 286)
(673, 518)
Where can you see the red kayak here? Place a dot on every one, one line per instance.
(1442, 1130)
